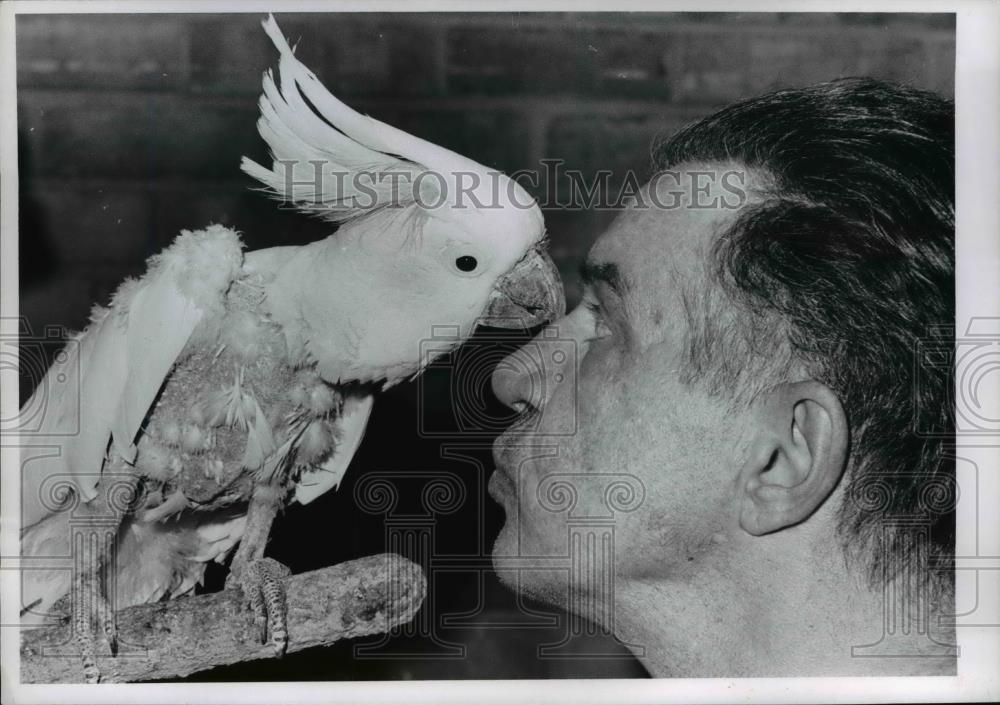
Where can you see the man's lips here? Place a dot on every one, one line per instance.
(509, 452)
(501, 486)
(502, 448)
(500, 482)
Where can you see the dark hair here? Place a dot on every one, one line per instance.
(845, 267)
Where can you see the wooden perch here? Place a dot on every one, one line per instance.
(173, 639)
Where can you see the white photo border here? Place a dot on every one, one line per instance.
(977, 95)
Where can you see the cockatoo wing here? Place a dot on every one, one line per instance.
(116, 366)
(350, 430)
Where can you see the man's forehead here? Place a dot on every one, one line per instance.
(671, 228)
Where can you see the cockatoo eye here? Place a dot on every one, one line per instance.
(465, 259)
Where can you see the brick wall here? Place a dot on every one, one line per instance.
(132, 127)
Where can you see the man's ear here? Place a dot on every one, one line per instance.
(796, 458)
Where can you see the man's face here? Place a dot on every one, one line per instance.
(643, 453)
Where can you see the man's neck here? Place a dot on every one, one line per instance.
(774, 617)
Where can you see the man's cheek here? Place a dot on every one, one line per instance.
(599, 405)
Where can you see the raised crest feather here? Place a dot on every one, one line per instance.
(332, 161)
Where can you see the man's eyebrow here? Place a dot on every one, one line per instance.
(607, 272)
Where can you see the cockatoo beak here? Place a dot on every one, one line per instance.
(530, 294)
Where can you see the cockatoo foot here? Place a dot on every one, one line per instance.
(92, 613)
(263, 585)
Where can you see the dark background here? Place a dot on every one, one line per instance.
(131, 127)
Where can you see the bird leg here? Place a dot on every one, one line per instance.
(261, 579)
(90, 610)
(94, 529)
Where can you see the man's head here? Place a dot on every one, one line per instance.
(752, 368)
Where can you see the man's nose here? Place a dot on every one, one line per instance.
(525, 379)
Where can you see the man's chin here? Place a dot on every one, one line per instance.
(504, 549)
(547, 586)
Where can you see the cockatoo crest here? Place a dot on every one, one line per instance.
(335, 162)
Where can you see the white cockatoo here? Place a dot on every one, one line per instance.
(223, 384)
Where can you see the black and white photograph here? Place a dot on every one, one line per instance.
(439, 352)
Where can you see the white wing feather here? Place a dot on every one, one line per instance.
(116, 367)
(351, 429)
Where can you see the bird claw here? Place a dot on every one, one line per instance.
(263, 585)
(90, 609)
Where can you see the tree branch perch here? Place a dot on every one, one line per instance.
(173, 639)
